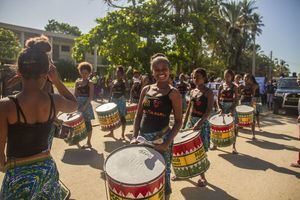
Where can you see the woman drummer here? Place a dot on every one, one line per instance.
(247, 94)
(25, 123)
(198, 111)
(117, 95)
(84, 92)
(154, 109)
(226, 101)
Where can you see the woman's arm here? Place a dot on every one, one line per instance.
(218, 98)
(65, 102)
(210, 103)
(3, 131)
(139, 113)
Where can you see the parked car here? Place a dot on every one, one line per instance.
(287, 94)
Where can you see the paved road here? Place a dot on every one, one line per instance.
(260, 171)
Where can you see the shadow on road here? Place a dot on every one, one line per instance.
(83, 157)
(209, 192)
(271, 145)
(113, 145)
(278, 136)
(253, 163)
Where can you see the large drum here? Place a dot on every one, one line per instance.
(73, 128)
(245, 115)
(222, 130)
(189, 157)
(135, 172)
(131, 110)
(108, 116)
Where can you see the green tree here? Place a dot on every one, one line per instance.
(60, 27)
(9, 46)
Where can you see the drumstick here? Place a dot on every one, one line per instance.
(223, 119)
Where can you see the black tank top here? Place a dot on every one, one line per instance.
(156, 112)
(24, 139)
(199, 105)
(256, 93)
(118, 89)
(226, 94)
(246, 94)
(83, 91)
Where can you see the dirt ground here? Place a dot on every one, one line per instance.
(261, 170)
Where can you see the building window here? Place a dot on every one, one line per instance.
(65, 48)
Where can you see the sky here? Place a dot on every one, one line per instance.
(281, 33)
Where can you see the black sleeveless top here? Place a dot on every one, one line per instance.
(83, 90)
(182, 88)
(199, 104)
(136, 90)
(256, 93)
(118, 89)
(24, 139)
(246, 94)
(227, 94)
(156, 112)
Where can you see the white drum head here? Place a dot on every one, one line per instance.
(244, 109)
(106, 107)
(183, 136)
(134, 164)
(69, 117)
(221, 120)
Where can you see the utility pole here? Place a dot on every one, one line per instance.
(270, 66)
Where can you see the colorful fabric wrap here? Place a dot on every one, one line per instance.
(88, 114)
(167, 154)
(37, 179)
(121, 104)
(204, 132)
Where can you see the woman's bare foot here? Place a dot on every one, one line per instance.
(295, 165)
(87, 146)
(202, 183)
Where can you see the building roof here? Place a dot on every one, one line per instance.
(36, 31)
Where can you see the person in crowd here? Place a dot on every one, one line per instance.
(248, 91)
(227, 99)
(84, 92)
(117, 96)
(157, 101)
(182, 87)
(198, 112)
(270, 88)
(25, 123)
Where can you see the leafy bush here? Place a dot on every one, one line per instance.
(67, 70)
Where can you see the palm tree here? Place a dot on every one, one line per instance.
(255, 27)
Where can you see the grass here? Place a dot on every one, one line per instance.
(69, 84)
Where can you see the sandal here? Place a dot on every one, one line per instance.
(86, 146)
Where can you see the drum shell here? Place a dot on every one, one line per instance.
(245, 118)
(152, 190)
(109, 120)
(222, 135)
(189, 158)
(131, 111)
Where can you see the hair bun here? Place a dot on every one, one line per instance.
(40, 44)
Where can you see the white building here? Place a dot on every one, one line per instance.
(61, 44)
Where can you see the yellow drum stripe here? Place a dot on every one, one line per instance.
(222, 135)
(190, 159)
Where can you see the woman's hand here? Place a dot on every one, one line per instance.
(134, 141)
(162, 147)
(53, 74)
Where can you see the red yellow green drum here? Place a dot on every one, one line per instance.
(222, 130)
(108, 116)
(73, 128)
(135, 172)
(245, 115)
(189, 157)
(131, 110)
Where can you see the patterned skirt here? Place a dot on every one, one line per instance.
(167, 154)
(121, 103)
(88, 114)
(204, 132)
(38, 180)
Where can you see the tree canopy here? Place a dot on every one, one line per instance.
(60, 27)
(212, 34)
(9, 46)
